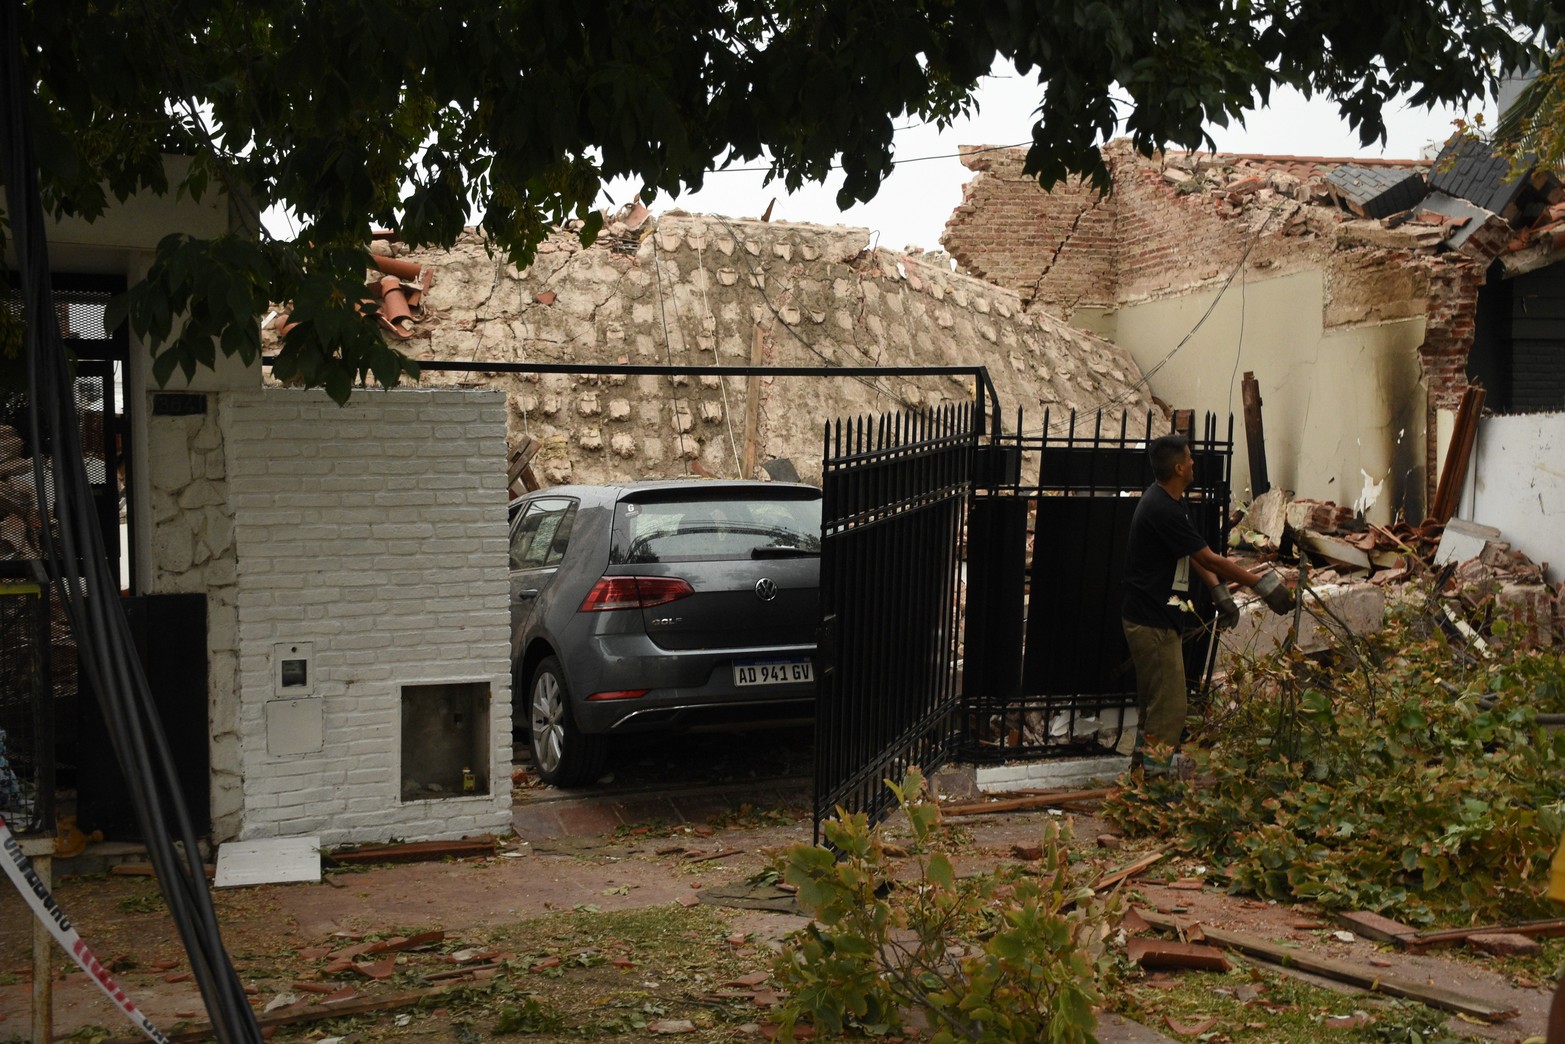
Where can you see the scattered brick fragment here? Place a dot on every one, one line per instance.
(1156, 953)
(1505, 944)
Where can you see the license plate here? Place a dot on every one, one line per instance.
(773, 672)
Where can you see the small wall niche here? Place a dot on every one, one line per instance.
(445, 740)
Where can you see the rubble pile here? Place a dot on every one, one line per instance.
(1467, 563)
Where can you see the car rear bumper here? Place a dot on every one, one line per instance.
(685, 688)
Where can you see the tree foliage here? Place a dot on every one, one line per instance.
(416, 113)
(1531, 131)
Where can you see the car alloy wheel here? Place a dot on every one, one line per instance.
(563, 755)
(547, 712)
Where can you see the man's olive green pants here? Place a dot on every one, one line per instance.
(1160, 682)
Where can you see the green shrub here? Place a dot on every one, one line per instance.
(1014, 955)
(1403, 776)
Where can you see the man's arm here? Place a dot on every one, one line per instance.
(1268, 585)
(1209, 565)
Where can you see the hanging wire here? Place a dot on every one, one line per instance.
(722, 382)
(79, 568)
(668, 355)
(1129, 393)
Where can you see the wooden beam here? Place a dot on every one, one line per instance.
(1448, 494)
(1255, 435)
(1531, 929)
(1036, 799)
(1372, 979)
(414, 852)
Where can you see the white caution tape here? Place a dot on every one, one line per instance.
(20, 869)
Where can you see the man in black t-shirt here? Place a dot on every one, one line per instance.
(1164, 552)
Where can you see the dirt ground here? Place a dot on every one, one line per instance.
(279, 935)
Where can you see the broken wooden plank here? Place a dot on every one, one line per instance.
(1549, 929)
(1367, 978)
(1032, 799)
(1376, 928)
(1113, 878)
(1254, 434)
(415, 851)
(146, 870)
(1157, 953)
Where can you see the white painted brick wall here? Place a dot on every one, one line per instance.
(377, 531)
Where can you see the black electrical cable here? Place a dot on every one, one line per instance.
(79, 566)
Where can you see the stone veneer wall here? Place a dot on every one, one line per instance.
(694, 290)
(377, 531)
(193, 552)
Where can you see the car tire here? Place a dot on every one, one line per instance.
(563, 755)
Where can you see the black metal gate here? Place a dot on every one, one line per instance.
(925, 579)
(1075, 683)
(894, 503)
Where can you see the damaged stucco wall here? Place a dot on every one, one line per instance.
(1518, 485)
(1356, 332)
(692, 290)
(1338, 421)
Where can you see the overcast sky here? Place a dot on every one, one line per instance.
(913, 204)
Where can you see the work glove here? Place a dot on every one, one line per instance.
(1276, 594)
(1227, 611)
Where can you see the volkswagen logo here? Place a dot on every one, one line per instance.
(766, 589)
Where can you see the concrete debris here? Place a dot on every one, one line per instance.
(1472, 563)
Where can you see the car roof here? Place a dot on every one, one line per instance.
(614, 491)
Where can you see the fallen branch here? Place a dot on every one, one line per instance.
(1367, 978)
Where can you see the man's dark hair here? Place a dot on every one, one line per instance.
(1165, 453)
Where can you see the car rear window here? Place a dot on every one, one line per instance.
(715, 529)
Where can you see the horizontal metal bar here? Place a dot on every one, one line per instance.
(978, 373)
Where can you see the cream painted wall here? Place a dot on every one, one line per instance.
(1337, 404)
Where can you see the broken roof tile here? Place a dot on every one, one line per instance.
(1376, 192)
(1469, 168)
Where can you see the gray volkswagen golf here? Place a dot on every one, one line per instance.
(658, 605)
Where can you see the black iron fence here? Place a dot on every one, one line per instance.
(894, 503)
(1074, 687)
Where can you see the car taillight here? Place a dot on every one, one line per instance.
(634, 592)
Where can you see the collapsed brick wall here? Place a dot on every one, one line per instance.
(1056, 250)
(1174, 238)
